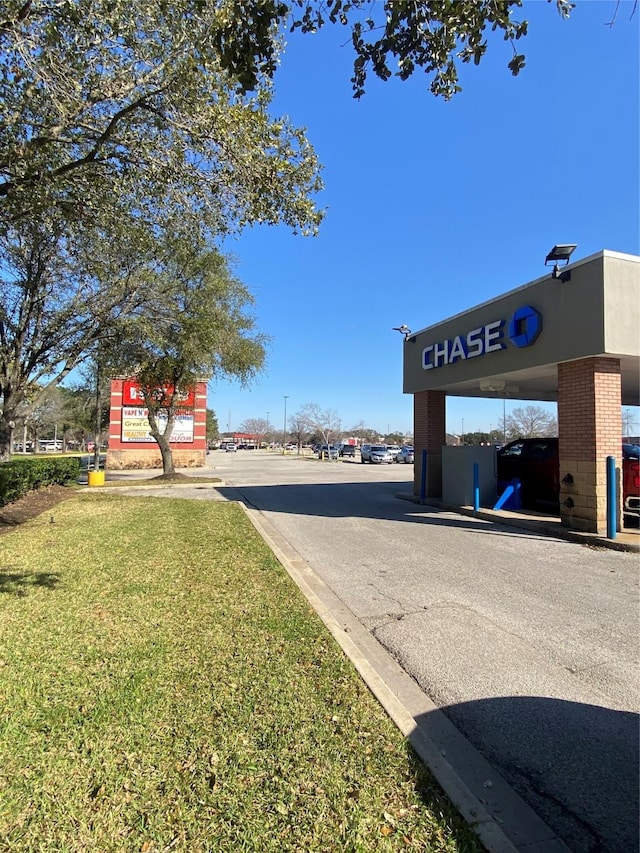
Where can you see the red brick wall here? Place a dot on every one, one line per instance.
(429, 433)
(590, 428)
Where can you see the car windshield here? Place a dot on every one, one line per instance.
(379, 449)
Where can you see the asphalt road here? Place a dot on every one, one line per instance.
(528, 644)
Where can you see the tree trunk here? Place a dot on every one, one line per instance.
(167, 455)
(6, 434)
(163, 438)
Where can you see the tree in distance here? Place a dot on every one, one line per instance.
(259, 427)
(212, 428)
(322, 422)
(530, 422)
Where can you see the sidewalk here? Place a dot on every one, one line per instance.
(544, 525)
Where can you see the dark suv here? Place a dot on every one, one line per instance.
(535, 462)
(347, 450)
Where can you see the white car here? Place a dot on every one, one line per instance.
(405, 455)
(231, 448)
(379, 453)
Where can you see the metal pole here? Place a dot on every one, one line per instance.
(284, 426)
(612, 498)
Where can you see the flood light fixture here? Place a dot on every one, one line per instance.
(560, 252)
(403, 329)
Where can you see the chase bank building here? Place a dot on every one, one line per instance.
(572, 337)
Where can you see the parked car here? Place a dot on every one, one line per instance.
(536, 463)
(405, 455)
(231, 448)
(375, 453)
(394, 450)
(329, 450)
(50, 446)
(347, 450)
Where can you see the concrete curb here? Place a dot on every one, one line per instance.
(132, 486)
(501, 819)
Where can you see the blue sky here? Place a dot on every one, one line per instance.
(434, 207)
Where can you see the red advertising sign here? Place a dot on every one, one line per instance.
(132, 395)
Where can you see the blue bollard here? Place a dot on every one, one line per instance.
(476, 487)
(612, 498)
(510, 498)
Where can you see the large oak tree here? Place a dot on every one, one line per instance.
(119, 120)
(119, 117)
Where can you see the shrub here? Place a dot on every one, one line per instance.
(19, 476)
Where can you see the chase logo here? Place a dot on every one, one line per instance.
(525, 326)
(523, 330)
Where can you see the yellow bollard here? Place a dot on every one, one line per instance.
(96, 478)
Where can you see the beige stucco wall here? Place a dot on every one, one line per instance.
(119, 460)
(597, 312)
(622, 304)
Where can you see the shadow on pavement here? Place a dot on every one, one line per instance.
(585, 788)
(326, 499)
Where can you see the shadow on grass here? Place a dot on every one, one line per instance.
(19, 583)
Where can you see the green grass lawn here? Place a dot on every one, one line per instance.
(165, 686)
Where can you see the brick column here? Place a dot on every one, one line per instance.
(429, 433)
(590, 428)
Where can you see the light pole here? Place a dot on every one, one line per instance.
(504, 420)
(284, 426)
